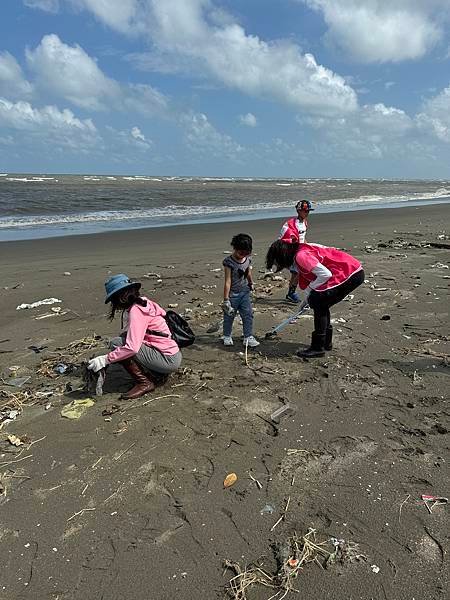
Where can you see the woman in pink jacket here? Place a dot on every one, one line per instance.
(145, 348)
(327, 275)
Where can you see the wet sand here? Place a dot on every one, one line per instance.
(132, 505)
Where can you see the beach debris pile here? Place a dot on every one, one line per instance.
(291, 558)
(67, 358)
(38, 303)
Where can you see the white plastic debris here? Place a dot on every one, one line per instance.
(38, 303)
(375, 568)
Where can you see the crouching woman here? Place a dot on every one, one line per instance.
(327, 276)
(145, 347)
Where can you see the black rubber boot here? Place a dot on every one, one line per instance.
(329, 338)
(316, 350)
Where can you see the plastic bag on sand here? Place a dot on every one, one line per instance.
(76, 408)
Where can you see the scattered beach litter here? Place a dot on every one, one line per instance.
(76, 408)
(56, 312)
(292, 557)
(110, 409)
(230, 480)
(14, 440)
(283, 411)
(17, 381)
(38, 303)
(267, 509)
(431, 502)
(37, 349)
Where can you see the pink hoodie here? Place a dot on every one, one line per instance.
(141, 318)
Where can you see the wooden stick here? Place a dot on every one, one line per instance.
(161, 397)
(80, 512)
(259, 485)
(126, 450)
(401, 506)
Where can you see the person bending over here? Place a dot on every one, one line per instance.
(327, 275)
(145, 355)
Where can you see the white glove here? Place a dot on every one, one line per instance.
(303, 304)
(227, 308)
(97, 363)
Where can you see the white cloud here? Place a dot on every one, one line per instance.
(144, 99)
(47, 128)
(137, 134)
(51, 6)
(35, 130)
(68, 72)
(126, 16)
(374, 131)
(12, 81)
(21, 115)
(381, 30)
(249, 119)
(215, 45)
(202, 137)
(122, 141)
(435, 116)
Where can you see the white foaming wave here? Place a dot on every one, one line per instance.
(440, 193)
(170, 212)
(174, 213)
(32, 180)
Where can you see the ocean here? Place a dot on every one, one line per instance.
(39, 206)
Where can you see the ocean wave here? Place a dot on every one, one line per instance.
(183, 213)
(173, 212)
(29, 180)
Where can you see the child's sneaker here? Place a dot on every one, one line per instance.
(293, 297)
(251, 341)
(227, 340)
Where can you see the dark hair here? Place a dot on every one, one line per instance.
(242, 242)
(124, 299)
(281, 254)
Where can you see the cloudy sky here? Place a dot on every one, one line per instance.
(276, 88)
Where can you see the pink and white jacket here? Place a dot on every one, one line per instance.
(294, 229)
(140, 319)
(321, 268)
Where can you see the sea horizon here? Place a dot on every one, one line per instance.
(34, 206)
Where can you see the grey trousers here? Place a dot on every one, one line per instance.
(152, 359)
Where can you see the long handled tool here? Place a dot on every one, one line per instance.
(285, 323)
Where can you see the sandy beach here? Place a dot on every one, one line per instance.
(129, 502)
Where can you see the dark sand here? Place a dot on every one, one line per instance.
(369, 433)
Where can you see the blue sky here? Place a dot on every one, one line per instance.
(265, 88)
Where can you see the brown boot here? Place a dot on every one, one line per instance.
(144, 384)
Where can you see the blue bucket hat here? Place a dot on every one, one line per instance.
(116, 283)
